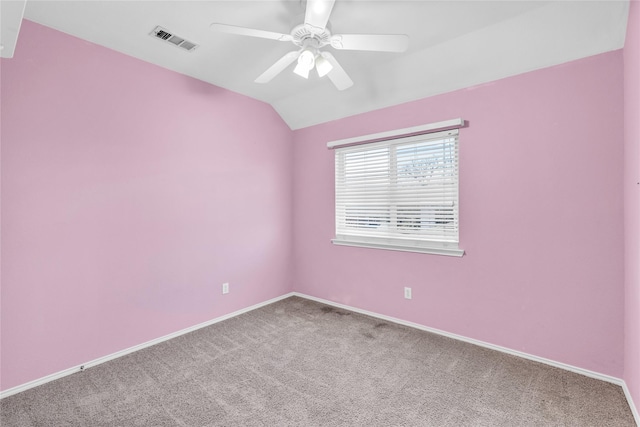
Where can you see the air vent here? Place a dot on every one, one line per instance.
(166, 35)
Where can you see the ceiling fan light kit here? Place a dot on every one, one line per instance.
(306, 62)
(313, 35)
(323, 67)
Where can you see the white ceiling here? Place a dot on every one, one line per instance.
(452, 44)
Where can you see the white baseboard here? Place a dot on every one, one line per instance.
(634, 408)
(577, 370)
(72, 370)
(586, 372)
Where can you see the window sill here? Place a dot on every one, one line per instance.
(423, 250)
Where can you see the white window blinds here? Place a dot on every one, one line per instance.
(399, 194)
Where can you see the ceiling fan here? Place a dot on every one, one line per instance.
(310, 37)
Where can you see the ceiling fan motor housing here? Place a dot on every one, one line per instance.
(308, 36)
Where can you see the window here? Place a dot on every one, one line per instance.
(399, 194)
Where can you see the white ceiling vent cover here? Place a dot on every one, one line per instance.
(168, 36)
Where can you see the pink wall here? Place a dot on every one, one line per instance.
(541, 212)
(632, 202)
(129, 195)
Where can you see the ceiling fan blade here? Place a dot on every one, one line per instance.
(233, 29)
(277, 68)
(337, 75)
(375, 42)
(317, 13)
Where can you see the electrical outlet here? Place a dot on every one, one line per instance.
(225, 288)
(407, 293)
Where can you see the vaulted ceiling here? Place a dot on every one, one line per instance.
(452, 44)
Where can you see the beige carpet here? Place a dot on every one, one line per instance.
(300, 363)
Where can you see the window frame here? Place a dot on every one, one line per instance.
(393, 141)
